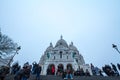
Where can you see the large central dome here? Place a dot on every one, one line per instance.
(61, 42)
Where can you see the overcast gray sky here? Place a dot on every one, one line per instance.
(92, 25)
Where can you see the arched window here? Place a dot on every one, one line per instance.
(60, 54)
(60, 43)
(67, 57)
(48, 55)
(77, 60)
(73, 54)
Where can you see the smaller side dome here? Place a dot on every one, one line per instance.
(50, 47)
(72, 47)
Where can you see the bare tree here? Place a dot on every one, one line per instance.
(7, 46)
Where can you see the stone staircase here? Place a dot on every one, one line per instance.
(51, 77)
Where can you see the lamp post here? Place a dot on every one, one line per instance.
(16, 52)
(116, 48)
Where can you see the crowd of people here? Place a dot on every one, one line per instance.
(111, 70)
(81, 72)
(107, 70)
(23, 73)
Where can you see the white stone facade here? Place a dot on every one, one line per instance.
(62, 54)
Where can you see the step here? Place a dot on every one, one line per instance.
(51, 77)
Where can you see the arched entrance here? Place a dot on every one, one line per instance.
(60, 69)
(70, 68)
(51, 69)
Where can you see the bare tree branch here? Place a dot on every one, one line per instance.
(7, 46)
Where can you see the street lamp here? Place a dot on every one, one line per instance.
(16, 52)
(115, 47)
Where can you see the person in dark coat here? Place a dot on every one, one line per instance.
(87, 73)
(38, 71)
(108, 70)
(93, 69)
(68, 74)
(26, 72)
(18, 75)
(115, 69)
(34, 67)
(118, 65)
(4, 70)
(15, 68)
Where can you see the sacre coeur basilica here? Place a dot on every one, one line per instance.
(62, 55)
